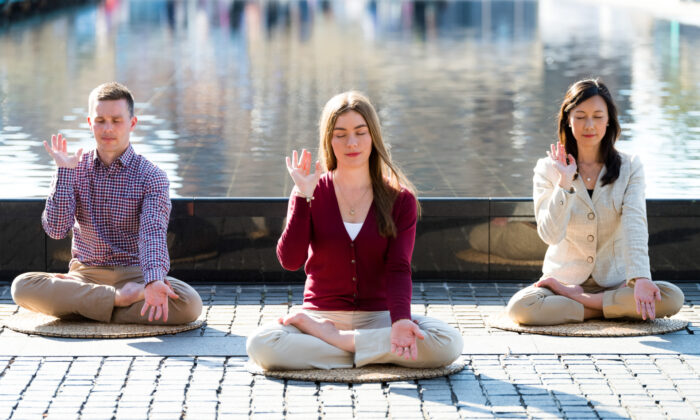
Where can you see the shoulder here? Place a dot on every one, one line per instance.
(544, 168)
(153, 176)
(630, 164)
(405, 202)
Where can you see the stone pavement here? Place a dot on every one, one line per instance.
(201, 374)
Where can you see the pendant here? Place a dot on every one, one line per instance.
(588, 179)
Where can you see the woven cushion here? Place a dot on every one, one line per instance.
(29, 322)
(592, 328)
(365, 374)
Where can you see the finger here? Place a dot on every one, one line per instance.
(644, 310)
(652, 310)
(48, 149)
(165, 311)
(150, 314)
(172, 294)
(317, 168)
(572, 161)
(144, 308)
(295, 159)
(419, 334)
(54, 144)
(552, 152)
(64, 145)
(289, 164)
(639, 308)
(79, 154)
(159, 311)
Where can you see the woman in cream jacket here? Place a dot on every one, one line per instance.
(591, 211)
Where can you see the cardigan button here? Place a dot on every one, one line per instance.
(589, 259)
(352, 244)
(590, 238)
(352, 261)
(354, 279)
(591, 216)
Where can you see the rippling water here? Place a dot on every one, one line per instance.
(467, 91)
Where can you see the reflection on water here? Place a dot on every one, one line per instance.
(467, 91)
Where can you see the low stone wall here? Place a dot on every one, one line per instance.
(234, 239)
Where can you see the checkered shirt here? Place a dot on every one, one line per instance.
(119, 214)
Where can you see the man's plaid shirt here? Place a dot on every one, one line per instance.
(119, 214)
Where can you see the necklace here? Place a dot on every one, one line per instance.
(588, 178)
(359, 200)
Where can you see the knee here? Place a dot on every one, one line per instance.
(672, 298)
(260, 347)
(449, 345)
(192, 308)
(520, 310)
(21, 287)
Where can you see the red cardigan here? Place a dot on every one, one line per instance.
(371, 273)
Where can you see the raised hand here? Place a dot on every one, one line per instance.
(645, 295)
(59, 152)
(404, 338)
(566, 170)
(299, 168)
(156, 296)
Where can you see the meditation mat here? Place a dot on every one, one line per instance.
(39, 324)
(474, 256)
(365, 374)
(592, 328)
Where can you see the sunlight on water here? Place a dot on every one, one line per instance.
(467, 91)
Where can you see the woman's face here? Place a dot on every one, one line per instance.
(589, 121)
(351, 141)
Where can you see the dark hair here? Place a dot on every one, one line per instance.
(387, 178)
(577, 93)
(111, 91)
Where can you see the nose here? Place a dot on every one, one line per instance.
(352, 140)
(589, 123)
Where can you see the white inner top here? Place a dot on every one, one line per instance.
(353, 229)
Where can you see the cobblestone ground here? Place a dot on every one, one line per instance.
(589, 386)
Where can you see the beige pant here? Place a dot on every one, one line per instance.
(91, 295)
(275, 346)
(540, 306)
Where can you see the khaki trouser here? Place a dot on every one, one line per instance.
(91, 294)
(540, 306)
(276, 346)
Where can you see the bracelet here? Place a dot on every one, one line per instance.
(307, 197)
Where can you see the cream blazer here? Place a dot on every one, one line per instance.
(604, 236)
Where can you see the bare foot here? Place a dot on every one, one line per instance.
(567, 290)
(323, 329)
(129, 293)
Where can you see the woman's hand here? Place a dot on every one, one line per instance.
(404, 333)
(299, 168)
(645, 295)
(566, 170)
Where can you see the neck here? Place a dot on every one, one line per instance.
(354, 177)
(589, 156)
(108, 158)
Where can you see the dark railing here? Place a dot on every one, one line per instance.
(474, 239)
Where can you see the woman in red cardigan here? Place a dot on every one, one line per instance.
(353, 228)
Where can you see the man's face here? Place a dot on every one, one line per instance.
(111, 126)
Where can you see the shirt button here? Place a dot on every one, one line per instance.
(352, 261)
(589, 259)
(591, 216)
(590, 238)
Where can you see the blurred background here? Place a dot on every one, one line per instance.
(467, 91)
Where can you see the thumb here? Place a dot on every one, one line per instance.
(417, 332)
(172, 294)
(79, 154)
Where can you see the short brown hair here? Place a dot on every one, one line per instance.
(111, 91)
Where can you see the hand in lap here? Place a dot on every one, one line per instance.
(156, 296)
(645, 295)
(404, 335)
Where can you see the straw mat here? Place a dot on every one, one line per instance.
(365, 374)
(39, 324)
(474, 256)
(592, 328)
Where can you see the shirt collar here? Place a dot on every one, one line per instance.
(124, 160)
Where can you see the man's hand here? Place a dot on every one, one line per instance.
(156, 297)
(59, 152)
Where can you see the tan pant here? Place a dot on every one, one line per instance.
(91, 295)
(540, 306)
(275, 346)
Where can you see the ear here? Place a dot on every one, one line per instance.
(134, 120)
(89, 123)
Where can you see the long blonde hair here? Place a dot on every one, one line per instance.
(387, 178)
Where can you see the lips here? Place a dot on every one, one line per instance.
(353, 154)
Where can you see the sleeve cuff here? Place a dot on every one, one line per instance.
(152, 275)
(399, 316)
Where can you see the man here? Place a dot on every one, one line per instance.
(118, 206)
